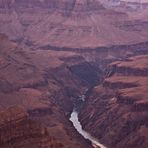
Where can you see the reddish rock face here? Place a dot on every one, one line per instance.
(18, 130)
(64, 4)
(48, 82)
(40, 83)
(70, 23)
(51, 51)
(116, 111)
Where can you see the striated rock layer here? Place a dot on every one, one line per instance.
(18, 130)
(40, 82)
(48, 81)
(116, 111)
(69, 23)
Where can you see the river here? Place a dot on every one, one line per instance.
(86, 135)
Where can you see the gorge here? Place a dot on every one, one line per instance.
(73, 74)
(74, 119)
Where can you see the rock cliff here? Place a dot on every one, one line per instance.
(18, 130)
(39, 82)
(69, 23)
(116, 110)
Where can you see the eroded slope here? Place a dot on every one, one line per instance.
(67, 23)
(116, 110)
(37, 81)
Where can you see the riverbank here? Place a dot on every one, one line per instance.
(74, 119)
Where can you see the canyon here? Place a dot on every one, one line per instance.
(118, 107)
(58, 55)
(75, 24)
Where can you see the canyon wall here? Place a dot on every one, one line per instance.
(41, 83)
(47, 82)
(51, 52)
(18, 130)
(116, 110)
(69, 23)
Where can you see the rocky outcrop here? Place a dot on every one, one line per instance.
(66, 5)
(40, 82)
(67, 23)
(116, 110)
(18, 130)
(48, 82)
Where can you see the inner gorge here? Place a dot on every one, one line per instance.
(73, 74)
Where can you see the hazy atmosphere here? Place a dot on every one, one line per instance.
(73, 73)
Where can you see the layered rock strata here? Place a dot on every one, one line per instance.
(116, 110)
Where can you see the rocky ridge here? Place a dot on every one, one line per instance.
(18, 130)
(34, 86)
(116, 110)
(67, 23)
(48, 82)
(51, 44)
